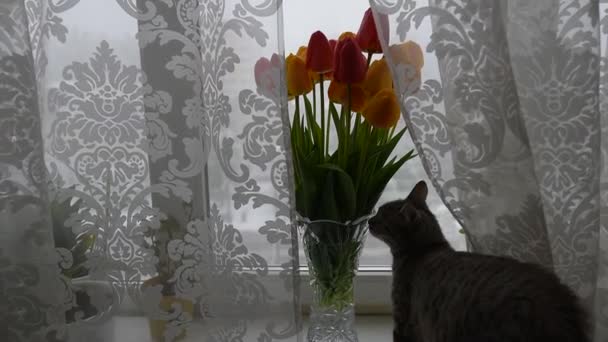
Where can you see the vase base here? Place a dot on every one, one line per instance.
(332, 325)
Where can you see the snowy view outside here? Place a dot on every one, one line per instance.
(301, 18)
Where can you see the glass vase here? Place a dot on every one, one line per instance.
(332, 250)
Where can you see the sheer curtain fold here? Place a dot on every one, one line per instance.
(144, 178)
(32, 292)
(510, 124)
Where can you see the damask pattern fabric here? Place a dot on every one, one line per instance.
(510, 122)
(144, 180)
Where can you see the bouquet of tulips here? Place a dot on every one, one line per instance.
(343, 150)
(343, 136)
(342, 180)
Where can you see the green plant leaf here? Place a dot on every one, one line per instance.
(341, 196)
(383, 152)
(315, 129)
(336, 119)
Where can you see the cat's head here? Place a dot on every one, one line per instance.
(407, 226)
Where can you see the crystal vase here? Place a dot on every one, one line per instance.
(332, 250)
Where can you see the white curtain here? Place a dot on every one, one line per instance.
(144, 182)
(511, 124)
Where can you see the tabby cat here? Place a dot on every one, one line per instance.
(440, 295)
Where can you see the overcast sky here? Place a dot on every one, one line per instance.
(303, 17)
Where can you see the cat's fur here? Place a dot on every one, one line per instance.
(440, 295)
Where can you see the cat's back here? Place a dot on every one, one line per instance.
(480, 296)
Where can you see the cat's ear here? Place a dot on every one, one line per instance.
(419, 193)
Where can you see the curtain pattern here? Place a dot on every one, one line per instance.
(510, 124)
(138, 130)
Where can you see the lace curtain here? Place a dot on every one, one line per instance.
(144, 183)
(510, 122)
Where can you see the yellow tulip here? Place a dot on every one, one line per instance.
(382, 111)
(298, 80)
(378, 77)
(338, 93)
(407, 53)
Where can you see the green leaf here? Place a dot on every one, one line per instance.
(336, 119)
(307, 190)
(383, 152)
(378, 182)
(341, 197)
(328, 208)
(315, 129)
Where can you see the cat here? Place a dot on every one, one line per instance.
(441, 295)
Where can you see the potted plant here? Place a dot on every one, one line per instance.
(79, 245)
(158, 239)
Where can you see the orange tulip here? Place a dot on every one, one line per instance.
(345, 35)
(367, 37)
(407, 53)
(298, 80)
(350, 65)
(378, 77)
(338, 93)
(382, 110)
(318, 55)
(302, 52)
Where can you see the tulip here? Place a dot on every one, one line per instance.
(332, 45)
(315, 75)
(345, 35)
(302, 50)
(338, 93)
(367, 37)
(407, 53)
(319, 55)
(350, 65)
(298, 80)
(382, 111)
(267, 74)
(378, 77)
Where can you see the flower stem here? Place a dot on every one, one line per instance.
(369, 58)
(325, 138)
(348, 118)
(314, 102)
(357, 124)
(391, 132)
(362, 157)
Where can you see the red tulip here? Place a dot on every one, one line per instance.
(319, 54)
(367, 37)
(332, 45)
(350, 66)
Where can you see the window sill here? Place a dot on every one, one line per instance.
(130, 328)
(370, 327)
(372, 292)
